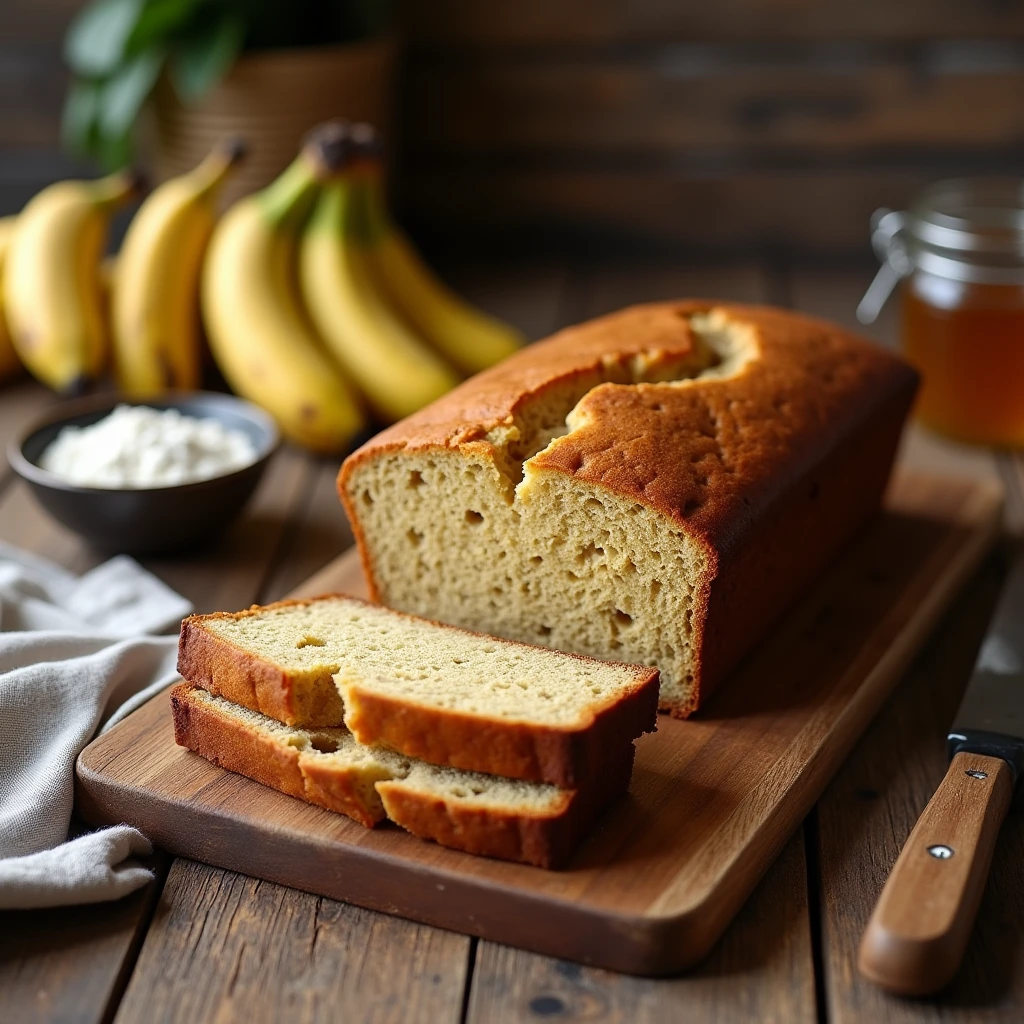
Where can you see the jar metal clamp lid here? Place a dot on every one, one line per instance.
(969, 230)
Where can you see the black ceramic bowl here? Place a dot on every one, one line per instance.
(143, 521)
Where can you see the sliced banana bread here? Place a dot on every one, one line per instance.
(482, 814)
(655, 486)
(433, 692)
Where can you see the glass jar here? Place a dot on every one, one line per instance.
(959, 253)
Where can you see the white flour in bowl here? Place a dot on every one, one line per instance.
(137, 447)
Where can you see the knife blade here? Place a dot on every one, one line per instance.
(991, 716)
(917, 934)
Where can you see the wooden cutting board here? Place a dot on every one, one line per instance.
(712, 802)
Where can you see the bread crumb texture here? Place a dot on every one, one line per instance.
(422, 664)
(583, 494)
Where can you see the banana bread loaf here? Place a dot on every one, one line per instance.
(655, 486)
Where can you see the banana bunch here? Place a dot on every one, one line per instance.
(66, 310)
(468, 338)
(259, 333)
(52, 286)
(154, 293)
(317, 307)
(314, 304)
(393, 368)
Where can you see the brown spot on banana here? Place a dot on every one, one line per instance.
(27, 339)
(76, 387)
(167, 374)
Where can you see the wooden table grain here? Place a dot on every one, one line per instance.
(203, 944)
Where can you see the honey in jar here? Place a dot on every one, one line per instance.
(960, 253)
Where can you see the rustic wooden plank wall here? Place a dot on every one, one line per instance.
(767, 123)
(32, 85)
(776, 124)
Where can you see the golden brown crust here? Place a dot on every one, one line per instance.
(206, 660)
(546, 841)
(343, 791)
(198, 727)
(570, 757)
(765, 458)
(229, 743)
(810, 523)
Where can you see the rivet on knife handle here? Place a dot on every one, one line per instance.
(918, 932)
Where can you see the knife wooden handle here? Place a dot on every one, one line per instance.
(918, 932)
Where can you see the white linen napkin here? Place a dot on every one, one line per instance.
(74, 659)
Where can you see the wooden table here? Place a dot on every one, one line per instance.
(205, 944)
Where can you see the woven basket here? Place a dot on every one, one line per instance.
(272, 99)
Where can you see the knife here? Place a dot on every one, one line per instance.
(918, 932)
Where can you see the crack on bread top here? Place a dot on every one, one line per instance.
(710, 346)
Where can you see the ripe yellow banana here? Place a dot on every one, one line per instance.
(472, 340)
(155, 298)
(51, 281)
(396, 371)
(10, 364)
(258, 331)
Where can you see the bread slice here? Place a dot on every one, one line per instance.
(428, 691)
(521, 821)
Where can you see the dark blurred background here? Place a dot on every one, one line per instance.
(775, 125)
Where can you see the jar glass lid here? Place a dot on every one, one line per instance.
(963, 229)
(984, 216)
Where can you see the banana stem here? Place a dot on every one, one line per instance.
(290, 197)
(329, 148)
(375, 208)
(344, 207)
(340, 209)
(117, 189)
(224, 158)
